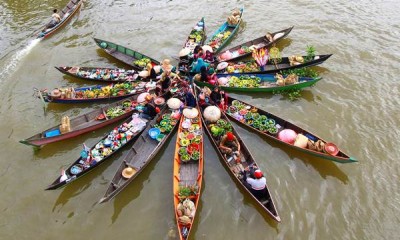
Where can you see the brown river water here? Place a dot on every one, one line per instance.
(354, 106)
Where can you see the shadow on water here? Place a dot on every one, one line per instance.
(306, 94)
(132, 191)
(282, 44)
(81, 184)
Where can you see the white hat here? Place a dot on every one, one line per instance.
(184, 52)
(207, 48)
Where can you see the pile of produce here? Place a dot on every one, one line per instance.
(118, 137)
(243, 82)
(242, 67)
(100, 92)
(190, 139)
(196, 35)
(108, 74)
(186, 192)
(219, 38)
(166, 124)
(186, 211)
(220, 128)
(251, 117)
(142, 62)
(126, 106)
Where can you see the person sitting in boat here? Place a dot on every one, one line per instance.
(216, 95)
(230, 146)
(256, 182)
(149, 111)
(165, 82)
(190, 100)
(167, 66)
(209, 57)
(152, 75)
(198, 49)
(55, 19)
(196, 66)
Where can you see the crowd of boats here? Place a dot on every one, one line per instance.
(135, 87)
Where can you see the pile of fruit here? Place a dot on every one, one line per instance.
(142, 62)
(220, 128)
(196, 35)
(242, 67)
(244, 82)
(251, 117)
(219, 38)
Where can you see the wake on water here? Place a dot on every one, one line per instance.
(12, 65)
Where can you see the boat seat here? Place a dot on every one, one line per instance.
(264, 201)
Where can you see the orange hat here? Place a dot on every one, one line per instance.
(258, 174)
(230, 136)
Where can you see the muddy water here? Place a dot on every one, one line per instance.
(355, 106)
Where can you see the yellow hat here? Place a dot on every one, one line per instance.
(128, 172)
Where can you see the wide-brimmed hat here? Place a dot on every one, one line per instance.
(166, 65)
(174, 103)
(207, 48)
(184, 52)
(331, 149)
(128, 172)
(142, 97)
(222, 65)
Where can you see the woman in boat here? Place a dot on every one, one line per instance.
(256, 182)
(208, 57)
(55, 19)
(190, 100)
(167, 79)
(167, 66)
(152, 75)
(198, 51)
(230, 146)
(196, 66)
(216, 96)
(149, 111)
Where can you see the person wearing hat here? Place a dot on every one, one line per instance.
(149, 111)
(152, 75)
(230, 146)
(256, 182)
(209, 57)
(167, 66)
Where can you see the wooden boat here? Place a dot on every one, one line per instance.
(258, 83)
(196, 37)
(140, 154)
(188, 171)
(278, 124)
(107, 75)
(92, 157)
(66, 14)
(234, 168)
(95, 93)
(128, 56)
(87, 122)
(228, 31)
(245, 49)
(252, 67)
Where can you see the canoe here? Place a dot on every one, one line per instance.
(111, 143)
(252, 67)
(66, 14)
(234, 168)
(87, 122)
(259, 83)
(217, 41)
(106, 75)
(128, 56)
(245, 49)
(140, 155)
(95, 93)
(278, 124)
(188, 172)
(196, 37)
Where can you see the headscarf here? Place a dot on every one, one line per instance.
(200, 63)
